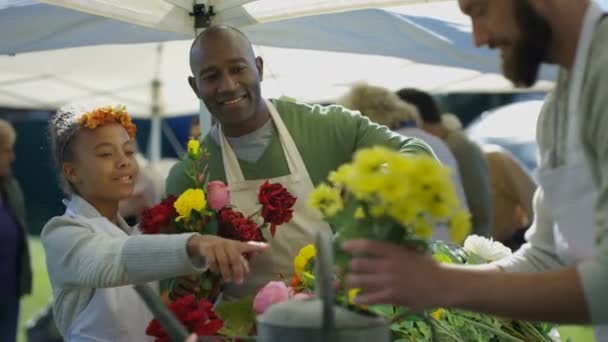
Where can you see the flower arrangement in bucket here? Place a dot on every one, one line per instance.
(205, 208)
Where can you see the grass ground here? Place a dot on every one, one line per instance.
(41, 296)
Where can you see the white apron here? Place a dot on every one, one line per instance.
(568, 188)
(115, 314)
(289, 237)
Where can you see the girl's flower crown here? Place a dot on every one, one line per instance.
(108, 114)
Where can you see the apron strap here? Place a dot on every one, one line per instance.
(592, 17)
(297, 168)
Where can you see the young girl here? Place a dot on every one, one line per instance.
(92, 258)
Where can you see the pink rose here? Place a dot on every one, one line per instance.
(218, 195)
(274, 292)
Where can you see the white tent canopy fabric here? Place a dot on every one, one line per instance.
(42, 25)
(310, 58)
(31, 26)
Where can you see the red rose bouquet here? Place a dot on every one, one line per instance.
(205, 208)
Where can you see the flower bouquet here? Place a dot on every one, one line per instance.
(385, 195)
(205, 208)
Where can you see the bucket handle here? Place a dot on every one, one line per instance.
(324, 281)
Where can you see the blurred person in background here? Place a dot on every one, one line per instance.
(451, 121)
(512, 190)
(471, 161)
(512, 194)
(14, 251)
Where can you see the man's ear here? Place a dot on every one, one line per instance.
(192, 82)
(259, 63)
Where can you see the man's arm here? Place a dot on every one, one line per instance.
(368, 134)
(396, 275)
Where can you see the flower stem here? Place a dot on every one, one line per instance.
(257, 212)
(492, 329)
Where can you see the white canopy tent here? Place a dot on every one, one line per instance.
(314, 58)
(314, 51)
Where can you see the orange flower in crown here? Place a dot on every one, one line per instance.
(108, 114)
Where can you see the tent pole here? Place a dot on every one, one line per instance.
(203, 13)
(155, 140)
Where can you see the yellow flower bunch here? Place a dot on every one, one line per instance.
(190, 200)
(414, 191)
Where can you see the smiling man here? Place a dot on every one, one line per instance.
(561, 273)
(256, 140)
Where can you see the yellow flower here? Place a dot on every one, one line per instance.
(369, 160)
(422, 228)
(364, 186)
(393, 188)
(326, 199)
(438, 208)
(191, 199)
(301, 260)
(341, 176)
(437, 313)
(352, 293)
(194, 148)
(460, 226)
(359, 213)
(377, 210)
(404, 212)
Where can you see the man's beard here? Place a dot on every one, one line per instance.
(530, 50)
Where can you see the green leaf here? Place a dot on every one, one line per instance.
(443, 258)
(212, 226)
(383, 310)
(205, 283)
(237, 315)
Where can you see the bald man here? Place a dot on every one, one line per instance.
(256, 140)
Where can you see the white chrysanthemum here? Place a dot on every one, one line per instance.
(554, 335)
(487, 249)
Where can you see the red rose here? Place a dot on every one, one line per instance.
(154, 329)
(277, 204)
(197, 317)
(158, 219)
(233, 225)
